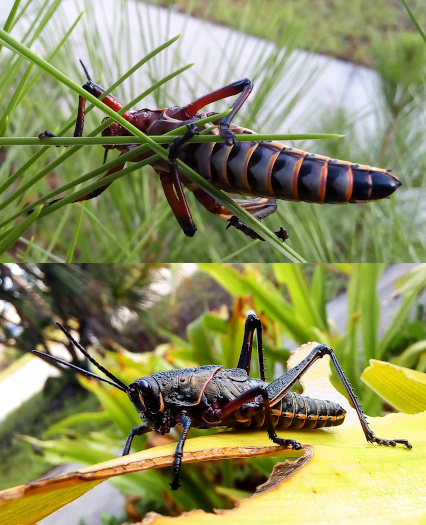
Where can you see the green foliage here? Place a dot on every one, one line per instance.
(401, 67)
(345, 30)
(61, 397)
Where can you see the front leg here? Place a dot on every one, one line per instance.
(185, 421)
(136, 431)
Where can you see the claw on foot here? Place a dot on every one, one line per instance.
(391, 442)
(236, 223)
(46, 134)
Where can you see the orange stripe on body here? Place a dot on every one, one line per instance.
(225, 167)
(246, 161)
(204, 387)
(269, 173)
(295, 177)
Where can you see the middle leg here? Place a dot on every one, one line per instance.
(247, 396)
(172, 185)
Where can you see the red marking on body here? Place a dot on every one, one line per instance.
(323, 182)
(204, 387)
(350, 184)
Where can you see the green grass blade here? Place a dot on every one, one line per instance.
(73, 244)
(11, 16)
(414, 19)
(15, 233)
(6, 117)
(370, 309)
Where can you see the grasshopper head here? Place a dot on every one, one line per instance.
(146, 395)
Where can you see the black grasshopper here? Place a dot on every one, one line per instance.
(213, 397)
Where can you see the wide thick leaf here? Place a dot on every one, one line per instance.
(345, 480)
(339, 472)
(403, 388)
(33, 501)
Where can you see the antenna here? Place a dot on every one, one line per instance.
(115, 381)
(45, 356)
(85, 70)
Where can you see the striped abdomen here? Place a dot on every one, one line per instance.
(293, 411)
(270, 169)
(303, 412)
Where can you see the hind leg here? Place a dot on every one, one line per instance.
(259, 208)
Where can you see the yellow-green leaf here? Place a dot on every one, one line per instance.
(403, 388)
(346, 481)
(29, 503)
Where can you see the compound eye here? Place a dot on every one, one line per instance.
(145, 391)
(136, 397)
(144, 386)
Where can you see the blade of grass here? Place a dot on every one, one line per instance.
(160, 139)
(11, 16)
(15, 233)
(5, 118)
(48, 255)
(301, 296)
(318, 292)
(73, 244)
(370, 310)
(413, 19)
(116, 241)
